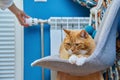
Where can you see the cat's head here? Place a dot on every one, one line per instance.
(76, 41)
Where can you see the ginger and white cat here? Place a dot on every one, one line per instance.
(76, 47)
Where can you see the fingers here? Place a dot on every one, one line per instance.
(26, 16)
(21, 17)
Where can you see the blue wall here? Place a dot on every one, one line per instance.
(32, 48)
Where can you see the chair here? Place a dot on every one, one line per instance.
(104, 54)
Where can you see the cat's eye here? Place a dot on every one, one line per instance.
(77, 44)
(68, 44)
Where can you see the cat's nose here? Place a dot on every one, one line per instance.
(72, 50)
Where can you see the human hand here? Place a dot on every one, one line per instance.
(19, 14)
(21, 17)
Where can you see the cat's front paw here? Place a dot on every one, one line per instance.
(80, 61)
(73, 59)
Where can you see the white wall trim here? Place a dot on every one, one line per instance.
(19, 45)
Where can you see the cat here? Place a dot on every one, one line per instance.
(78, 44)
(76, 47)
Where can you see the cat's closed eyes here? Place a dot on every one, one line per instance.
(77, 45)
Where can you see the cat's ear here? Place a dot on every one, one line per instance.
(67, 31)
(83, 34)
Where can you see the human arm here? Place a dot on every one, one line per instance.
(19, 14)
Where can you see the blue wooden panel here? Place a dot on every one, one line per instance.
(32, 48)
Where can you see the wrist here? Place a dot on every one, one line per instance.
(13, 9)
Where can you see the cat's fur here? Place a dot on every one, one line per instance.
(76, 47)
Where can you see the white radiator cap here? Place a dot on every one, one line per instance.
(32, 21)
